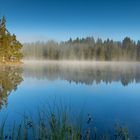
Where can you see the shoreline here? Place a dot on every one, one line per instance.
(68, 62)
(11, 63)
(90, 62)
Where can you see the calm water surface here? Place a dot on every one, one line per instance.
(110, 91)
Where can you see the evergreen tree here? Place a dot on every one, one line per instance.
(10, 48)
(85, 49)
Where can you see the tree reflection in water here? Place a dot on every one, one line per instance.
(10, 78)
(88, 73)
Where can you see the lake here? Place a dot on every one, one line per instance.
(109, 91)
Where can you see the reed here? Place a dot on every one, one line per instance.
(57, 124)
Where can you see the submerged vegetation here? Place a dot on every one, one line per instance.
(10, 48)
(84, 49)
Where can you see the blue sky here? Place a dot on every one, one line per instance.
(33, 20)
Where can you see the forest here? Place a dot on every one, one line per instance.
(84, 49)
(87, 48)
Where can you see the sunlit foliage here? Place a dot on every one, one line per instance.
(9, 46)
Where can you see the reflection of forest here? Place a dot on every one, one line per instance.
(86, 74)
(10, 78)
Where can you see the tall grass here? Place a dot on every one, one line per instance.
(57, 124)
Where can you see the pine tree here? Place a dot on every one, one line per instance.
(10, 48)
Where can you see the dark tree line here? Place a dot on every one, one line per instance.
(84, 49)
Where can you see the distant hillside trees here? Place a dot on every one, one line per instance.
(84, 49)
(10, 48)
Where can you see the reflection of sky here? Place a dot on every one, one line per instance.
(109, 103)
(35, 20)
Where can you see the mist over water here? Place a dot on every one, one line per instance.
(84, 49)
(58, 81)
(107, 90)
(86, 72)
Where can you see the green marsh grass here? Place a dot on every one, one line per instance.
(56, 124)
